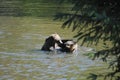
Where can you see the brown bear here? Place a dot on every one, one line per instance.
(50, 42)
(54, 42)
(68, 46)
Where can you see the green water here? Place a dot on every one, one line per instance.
(38, 8)
(21, 59)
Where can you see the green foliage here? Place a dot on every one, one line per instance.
(95, 21)
(92, 76)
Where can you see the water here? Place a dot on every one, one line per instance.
(21, 58)
(39, 65)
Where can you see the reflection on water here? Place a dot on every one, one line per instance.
(21, 58)
(41, 65)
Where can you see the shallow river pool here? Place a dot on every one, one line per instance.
(21, 58)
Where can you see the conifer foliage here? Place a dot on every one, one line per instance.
(96, 20)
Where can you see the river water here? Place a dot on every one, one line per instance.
(21, 58)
